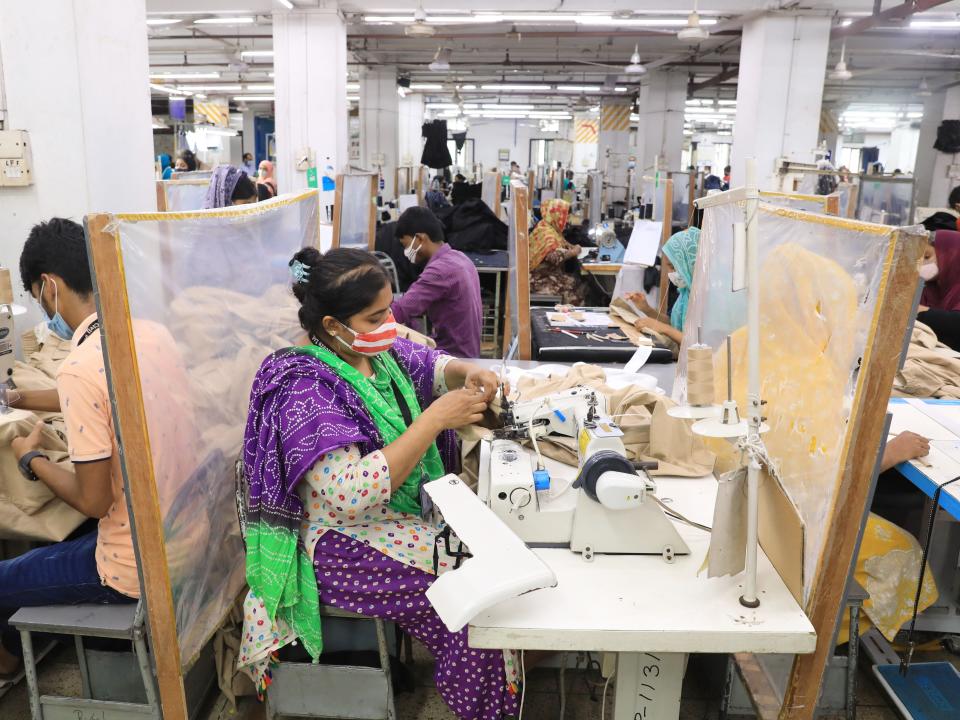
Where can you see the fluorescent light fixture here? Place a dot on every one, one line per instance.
(200, 96)
(516, 88)
(254, 98)
(169, 90)
(935, 24)
(210, 88)
(185, 76)
(726, 102)
(259, 87)
(578, 88)
(435, 19)
(846, 22)
(286, 3)
(227, 20)
(914, 115)
(640, 21)
(157, 21)
(467, 87)
(494, 106)
(211, 130)
(425, 86)
(256, 53)
(353, 86)
(620, 88)
(441, 106)
(353, 98)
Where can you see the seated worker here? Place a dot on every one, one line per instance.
(568, 181)
(726, 178)
(98, 567)
(549, 250)
(340, 436)
(679, 257)
(187, 161)
(448, 289)
(940, 271)
(266, 177)
(460, 190)
(711, 181)
(230, 186)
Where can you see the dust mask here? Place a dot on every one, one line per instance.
(411, 252)
(677, 279)
(929, 271)
(374, 342)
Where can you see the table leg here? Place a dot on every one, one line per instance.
(648, 686)
(496, 313)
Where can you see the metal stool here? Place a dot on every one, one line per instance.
(119, 622)
(307, 690)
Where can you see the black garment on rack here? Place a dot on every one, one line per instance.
(436, 155)
(472, 227)
(460, 139)
(948, 137)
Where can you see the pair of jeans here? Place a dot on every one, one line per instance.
(64, 573)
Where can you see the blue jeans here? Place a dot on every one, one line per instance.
(64, 573)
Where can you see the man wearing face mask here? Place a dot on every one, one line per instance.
(98, 567)
(448, 289)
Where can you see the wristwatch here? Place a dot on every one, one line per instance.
(24, 464)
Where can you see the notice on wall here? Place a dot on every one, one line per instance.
(644, 243)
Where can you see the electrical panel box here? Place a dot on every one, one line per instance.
(16, 166)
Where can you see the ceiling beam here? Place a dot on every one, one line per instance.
(897, 12)
(718, 79)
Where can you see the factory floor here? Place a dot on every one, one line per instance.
(59, 674)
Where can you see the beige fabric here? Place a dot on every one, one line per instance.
(624, 317)
(931, 370)
(649, 433)
(30, 510)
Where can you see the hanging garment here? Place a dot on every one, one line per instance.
(435, 152)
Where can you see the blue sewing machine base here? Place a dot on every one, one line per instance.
(611, 255)
(930, 691)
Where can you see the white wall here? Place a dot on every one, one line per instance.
(76, 74)
(409, 125)
(490, 136)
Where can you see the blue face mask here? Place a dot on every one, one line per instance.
(57, 325)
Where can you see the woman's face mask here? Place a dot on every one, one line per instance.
(677, 279)
(929, 271)
(374, 342)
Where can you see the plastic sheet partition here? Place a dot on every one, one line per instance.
(681, 198)
(209, 298)
(796, 201)
(184, 195)
(819, 281)
(356, 201)
(888, 201)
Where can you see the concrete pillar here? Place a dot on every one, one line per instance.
(783, 61)
(379, 124)
(76, 77)
(613, 146)
(310, 66)
(409, 124)
(660, 129)
(932, 166)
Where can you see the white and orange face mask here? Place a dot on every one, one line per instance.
(374, 342)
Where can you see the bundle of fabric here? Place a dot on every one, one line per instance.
(931, 370)
(648, 432)
(471, 226)
(30, 511)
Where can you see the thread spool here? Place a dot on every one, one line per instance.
(6, 288)
(700, 391)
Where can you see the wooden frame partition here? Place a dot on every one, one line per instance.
(133, 440)
(342, 181)
(665, 234)
(518, 277)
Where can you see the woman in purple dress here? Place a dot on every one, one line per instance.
(340, 436)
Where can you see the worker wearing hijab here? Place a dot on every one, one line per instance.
(229, 185)
(266, 177)
(679, 259)
(940, 270)
(549, 250)
(166, 166)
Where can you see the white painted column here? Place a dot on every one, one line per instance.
(613, 146)
(660, 130)
(409, 124)
(932, 167)
(310, 66)
(783, 61)
(76, 76)
(379, 124)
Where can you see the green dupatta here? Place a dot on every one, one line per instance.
(387, 418)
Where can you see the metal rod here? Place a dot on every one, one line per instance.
(749, 598)
(729, 369)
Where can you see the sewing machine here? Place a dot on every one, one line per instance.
(609, 247)
(609, 508)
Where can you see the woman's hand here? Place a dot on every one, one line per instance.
(485, 381)
(639, 300)
(646, 323)
(573, 251)
(904, 447)
(457, 408)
